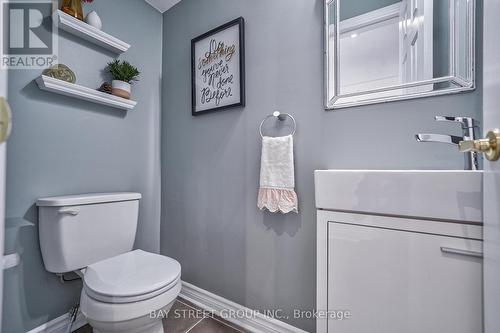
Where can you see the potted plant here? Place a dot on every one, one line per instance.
(124, 74)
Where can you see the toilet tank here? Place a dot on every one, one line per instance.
(78, 230)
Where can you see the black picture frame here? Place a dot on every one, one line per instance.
(240, 21)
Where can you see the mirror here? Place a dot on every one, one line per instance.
(385, 50)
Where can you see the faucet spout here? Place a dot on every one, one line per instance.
(449, 139)
(468, 127)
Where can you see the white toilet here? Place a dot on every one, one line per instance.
(93, 235)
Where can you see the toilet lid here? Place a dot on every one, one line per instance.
(131, 277)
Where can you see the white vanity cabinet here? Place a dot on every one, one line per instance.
(396, 274)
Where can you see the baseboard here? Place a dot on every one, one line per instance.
(60, 324)
(257, 323)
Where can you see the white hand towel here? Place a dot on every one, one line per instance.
(277, 179)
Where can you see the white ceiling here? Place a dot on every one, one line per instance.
(162, 5)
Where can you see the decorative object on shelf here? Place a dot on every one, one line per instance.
(105, 87)
(94, 20)
(73, 8)
(124, 74)
(218, 68)
(61, 72)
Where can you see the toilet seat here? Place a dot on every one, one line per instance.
(131, 277)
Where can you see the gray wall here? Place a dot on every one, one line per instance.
(60, 145)
(210, 163)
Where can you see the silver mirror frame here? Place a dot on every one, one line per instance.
(331, 92)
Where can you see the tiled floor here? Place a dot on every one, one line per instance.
(185, 317)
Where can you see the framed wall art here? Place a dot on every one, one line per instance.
(218, 68)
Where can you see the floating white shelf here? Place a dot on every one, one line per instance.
(61, 87)
(86, 31)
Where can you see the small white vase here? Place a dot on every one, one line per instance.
(94, 20)
(121, 88)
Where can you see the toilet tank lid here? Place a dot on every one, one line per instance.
(87, 199)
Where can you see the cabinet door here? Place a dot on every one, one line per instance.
(403, 282)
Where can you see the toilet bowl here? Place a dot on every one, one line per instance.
(126, 292)
(93, 235)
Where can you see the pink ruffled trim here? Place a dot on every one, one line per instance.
(276, 199)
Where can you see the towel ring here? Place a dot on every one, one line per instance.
(279, 116)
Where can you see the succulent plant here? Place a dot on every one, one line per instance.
(123, 71)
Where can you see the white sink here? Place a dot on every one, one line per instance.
(444, 195)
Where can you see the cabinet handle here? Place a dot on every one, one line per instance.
(69, 211)
(461, 252)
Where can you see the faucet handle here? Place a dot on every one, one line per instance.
(466, 122)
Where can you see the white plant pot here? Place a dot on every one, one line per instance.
(121, 88)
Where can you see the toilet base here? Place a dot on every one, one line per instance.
(145, 324)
